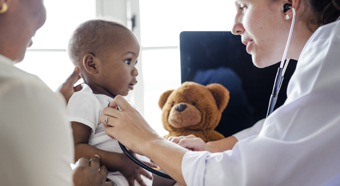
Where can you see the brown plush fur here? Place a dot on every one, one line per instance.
(194, 109)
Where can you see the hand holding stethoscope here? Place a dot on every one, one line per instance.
(117, 112)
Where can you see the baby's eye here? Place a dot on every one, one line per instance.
(128, 61)
(136, 63)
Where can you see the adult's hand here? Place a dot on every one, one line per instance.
(89, 173)
(128, 126)
(190, 142)
(194, 143)
(67, 88)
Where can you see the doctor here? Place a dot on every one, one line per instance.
(298, 144)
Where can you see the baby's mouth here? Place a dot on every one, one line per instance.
(131, 85)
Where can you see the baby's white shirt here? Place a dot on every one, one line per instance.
(86, 107)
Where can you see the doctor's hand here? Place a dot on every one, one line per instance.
(67, 89)
(128, 126)
(89, 173)
(190, 142)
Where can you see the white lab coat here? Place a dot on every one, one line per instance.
(299, 143)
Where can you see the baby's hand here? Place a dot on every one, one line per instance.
(132, 171)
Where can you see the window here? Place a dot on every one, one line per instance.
(47, 58)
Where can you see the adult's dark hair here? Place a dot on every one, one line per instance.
(320, 12)
(325, 11)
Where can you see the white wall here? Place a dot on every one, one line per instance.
(113, 8)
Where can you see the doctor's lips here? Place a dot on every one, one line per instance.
(132, 84)
(247, 42)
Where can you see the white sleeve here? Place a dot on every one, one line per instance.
(84, 108)
(251, 131)
(35, 137)
(260, 160)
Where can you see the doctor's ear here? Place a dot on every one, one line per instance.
(90, 63)
(287, 8)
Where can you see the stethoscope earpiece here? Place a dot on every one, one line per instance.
(286, 7)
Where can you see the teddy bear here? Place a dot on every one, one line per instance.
(193, 109)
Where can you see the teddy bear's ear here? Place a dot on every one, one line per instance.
(164, 97)
(221, 95)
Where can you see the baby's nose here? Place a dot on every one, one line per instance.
(135, 72)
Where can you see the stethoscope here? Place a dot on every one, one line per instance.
(273, 98)
(283, 65)
(138, 162)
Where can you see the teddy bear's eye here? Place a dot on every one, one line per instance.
(194, 103)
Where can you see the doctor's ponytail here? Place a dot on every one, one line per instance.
(325, 11)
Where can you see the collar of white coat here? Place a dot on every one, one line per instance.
(6, 60)
(313, 91)
(318, 68)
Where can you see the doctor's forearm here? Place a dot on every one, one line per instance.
(222, 145)
(168, 156)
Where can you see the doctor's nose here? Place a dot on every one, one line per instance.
(238, 28)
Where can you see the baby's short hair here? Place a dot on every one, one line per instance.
(92, 37)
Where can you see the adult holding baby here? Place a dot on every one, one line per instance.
(298, 143)
(35, 135)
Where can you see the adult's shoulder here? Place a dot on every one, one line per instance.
(329, 32)
(17, 84)
(33, 121)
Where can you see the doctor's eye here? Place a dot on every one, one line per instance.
(242, 7)
(128, 61)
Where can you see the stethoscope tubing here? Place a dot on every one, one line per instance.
(280, 72)
(138, 162)
(146, 167)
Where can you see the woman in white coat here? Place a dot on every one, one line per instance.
(298, 144)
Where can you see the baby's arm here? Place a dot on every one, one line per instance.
(113, 161)
(197, 144)
(81, 134)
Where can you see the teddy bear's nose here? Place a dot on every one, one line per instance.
(181, 107)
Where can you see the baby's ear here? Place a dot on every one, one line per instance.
(90, 63)
(164, 97)
(221, 95)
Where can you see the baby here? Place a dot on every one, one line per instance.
(106, 53)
